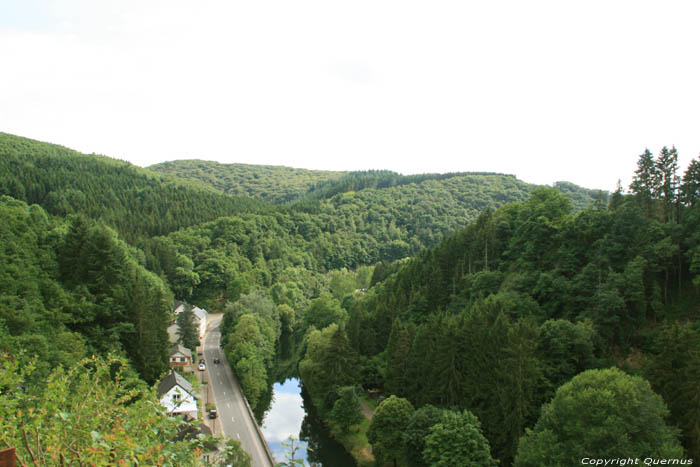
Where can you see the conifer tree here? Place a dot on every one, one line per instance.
(645, 184)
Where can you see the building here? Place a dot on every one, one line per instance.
(181, 357)
(176, 394)
(201, 316)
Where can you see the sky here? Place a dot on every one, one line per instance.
(545, 90)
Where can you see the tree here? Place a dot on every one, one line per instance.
(291, 453)
(690, 189)
(600, 414)
(329, 361)
(667, 166)
(324, 311)
(94, 413)
(674, 372)
(346, 409)
(417, 431)
(457, 441)
(566, 350)
(645, 184)
(234, 455)
(386, 430)
(188, 334)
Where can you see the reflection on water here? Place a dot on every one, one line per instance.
(284, 418)
(287, 417)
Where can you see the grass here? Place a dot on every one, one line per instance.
(356, 443)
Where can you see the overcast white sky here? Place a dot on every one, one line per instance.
(546, 90)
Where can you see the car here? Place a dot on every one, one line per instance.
(201, 360)
(212, 413)
(217, 360)
(202, 367)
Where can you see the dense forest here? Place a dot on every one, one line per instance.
(501, 319)
(275, 184)
(500, 316)
(136, 202)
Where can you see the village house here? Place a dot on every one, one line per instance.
(176, 394)
(201, 316)
(181, 357)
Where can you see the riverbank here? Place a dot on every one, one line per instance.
(355, 441)
(292, 414)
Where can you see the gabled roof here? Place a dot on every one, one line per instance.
(199, 313)
(182, 349)
(174, 379)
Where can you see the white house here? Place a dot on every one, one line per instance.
(177, 396)
(201, 316)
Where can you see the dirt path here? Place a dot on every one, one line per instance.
(366, 411)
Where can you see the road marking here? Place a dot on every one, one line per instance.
(224, 393)
(228, 405)
(239, 436)
(233, 419)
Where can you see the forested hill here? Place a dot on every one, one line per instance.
(501, 313)
(283, 184)
(276, 184)
(135, 201)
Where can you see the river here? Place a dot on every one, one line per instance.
(290, 415)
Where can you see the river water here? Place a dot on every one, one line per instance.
(290, 415)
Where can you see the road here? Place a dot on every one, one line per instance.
(234, 418)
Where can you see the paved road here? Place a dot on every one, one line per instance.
(234, 418)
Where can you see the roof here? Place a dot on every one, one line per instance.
(199, 313)
(174, 333)
(182, 349)
(173, 379)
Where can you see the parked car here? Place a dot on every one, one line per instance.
(201, 360)
(217, 360)
(202, 366)
(212, 413)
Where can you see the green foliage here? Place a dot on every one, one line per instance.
(136, 202)
(674, 372)
(89, 414)
(291, 460)
(386, 430)
(566, 349)
(234, 455)
(456, 441)
(328, 362)
(417, 430)
(276, 184)
(346, 409)
(600, 414)
(188, 333)
(79, 287)
(324, 311)
(251, 327)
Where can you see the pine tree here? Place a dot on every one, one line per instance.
(187, 332)
(645, 184)
(667, 167)
(690, 189)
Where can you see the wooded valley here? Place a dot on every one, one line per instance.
(524, 325)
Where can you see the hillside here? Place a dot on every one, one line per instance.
(275, 184)
(135, 201)
(279, 184)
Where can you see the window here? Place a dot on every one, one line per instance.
(176, 396)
